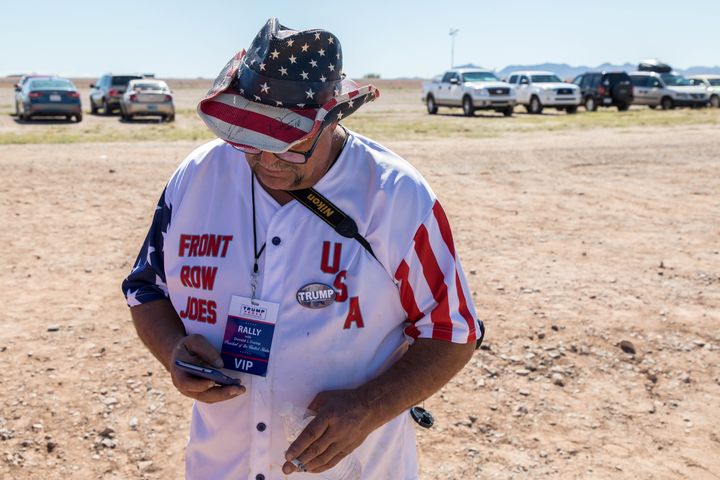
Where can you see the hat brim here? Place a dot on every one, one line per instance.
(241, 121)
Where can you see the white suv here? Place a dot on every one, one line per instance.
(712, 83)
(537, 90)
(667, 90)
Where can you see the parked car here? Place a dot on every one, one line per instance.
(470, 88)
(147, 97)
(18, 89)
(107, 92)
(50, 96)
(712, 83)
(605, 89)
(537, 90)
(667, 90)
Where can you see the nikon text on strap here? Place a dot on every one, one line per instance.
(330, 214)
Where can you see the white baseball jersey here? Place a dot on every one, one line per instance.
(199, 254)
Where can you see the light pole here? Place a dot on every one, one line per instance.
(453, 34)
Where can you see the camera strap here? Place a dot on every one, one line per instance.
(329, 213)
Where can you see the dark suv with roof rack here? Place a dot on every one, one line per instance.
(108, 92)
(605, 89)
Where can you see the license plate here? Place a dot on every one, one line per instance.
(152, 108)
(55, 98)
(607, 100)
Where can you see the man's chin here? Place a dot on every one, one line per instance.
(277, 180)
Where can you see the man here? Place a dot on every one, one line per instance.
(355, 326)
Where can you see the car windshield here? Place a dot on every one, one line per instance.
(149, 86)
(675, 80)
(617, 78)
(480, 77)
(545, 79)
(715, 82)
(123, 81)
(51, 84)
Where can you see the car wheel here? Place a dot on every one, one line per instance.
(571, 110)
(468, 107)
(667, 103)
(107, 109)
(715, 101)
(431, 105)
(536, 107)
(17, 109)
(623, 107)
(508, 111)
(170, 118)
(93, 107)
(590, 104)
(78, 117)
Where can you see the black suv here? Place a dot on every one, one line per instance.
(605, 89)
(108, 91)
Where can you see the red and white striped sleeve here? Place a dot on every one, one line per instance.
(433, 288)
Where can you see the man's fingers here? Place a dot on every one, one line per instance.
(312, 432)
(219, 394)
(190, 383)
(316, 450)
(323, 461)
(198, 345)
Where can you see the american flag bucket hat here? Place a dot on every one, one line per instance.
(282, 91)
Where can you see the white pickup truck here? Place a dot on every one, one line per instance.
(469, 88)
(537, 89)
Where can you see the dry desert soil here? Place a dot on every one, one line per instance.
(591, 244)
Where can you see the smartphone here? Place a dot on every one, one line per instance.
(207, 372)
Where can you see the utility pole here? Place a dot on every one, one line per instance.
(453, 34)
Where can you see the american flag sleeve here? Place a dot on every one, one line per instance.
(146, 281)
(433, 288)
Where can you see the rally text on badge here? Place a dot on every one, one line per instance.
(315, 295)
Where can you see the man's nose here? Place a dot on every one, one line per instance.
(267, 158)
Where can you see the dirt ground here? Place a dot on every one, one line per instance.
(573, 242)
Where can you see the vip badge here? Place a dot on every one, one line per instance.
(315, 295)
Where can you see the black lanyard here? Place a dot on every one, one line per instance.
(256, 252)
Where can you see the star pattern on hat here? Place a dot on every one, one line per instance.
(302, 57)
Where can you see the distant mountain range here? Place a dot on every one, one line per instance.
(565, 71)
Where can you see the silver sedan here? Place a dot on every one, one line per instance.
(148, 97)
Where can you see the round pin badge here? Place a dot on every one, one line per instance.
(315, 295)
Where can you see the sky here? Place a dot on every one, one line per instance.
(188, 39)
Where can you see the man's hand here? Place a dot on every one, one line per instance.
(196, 349)
(341, 425)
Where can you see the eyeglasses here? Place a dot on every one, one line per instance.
(290, 156)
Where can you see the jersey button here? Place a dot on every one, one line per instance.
(276, 240)
(261, 427)
(259, 476)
